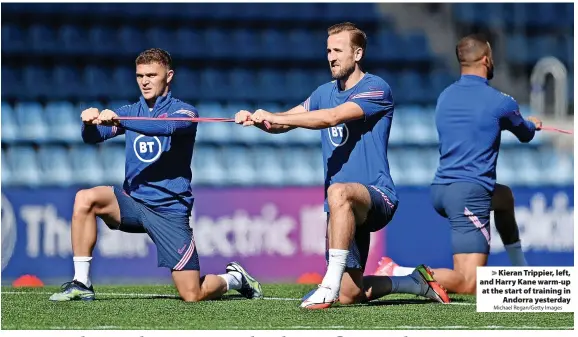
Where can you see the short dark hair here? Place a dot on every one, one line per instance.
(471, 49)
(358, 37)
(155, 55)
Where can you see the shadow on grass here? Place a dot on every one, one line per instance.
(162, 297)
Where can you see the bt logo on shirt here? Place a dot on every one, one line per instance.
(147, 149)
(338, 134)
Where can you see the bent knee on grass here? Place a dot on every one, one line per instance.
(351, 291)
(466, 264)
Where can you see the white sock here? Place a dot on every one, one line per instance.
(335, 269)
(233, 280)
(516, 254)
(82, 269)
(402, 271)
(405, 285)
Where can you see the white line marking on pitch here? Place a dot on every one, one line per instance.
(172, 296)
(130, 295)
(401, 327)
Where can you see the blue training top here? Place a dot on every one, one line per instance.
(470, 116)
(356, 151)
(158, 153)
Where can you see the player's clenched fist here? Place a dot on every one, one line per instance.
(89, 116)
(108, 117)
(261, 116)
(243, 117)
(537, 122)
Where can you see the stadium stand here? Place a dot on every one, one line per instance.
(58, 60)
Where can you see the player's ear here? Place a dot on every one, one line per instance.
(170, 74)
(358, 54)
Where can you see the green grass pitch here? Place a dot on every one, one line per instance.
(157, 307)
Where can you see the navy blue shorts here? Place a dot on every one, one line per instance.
(171, 233)
(383, 207)
(467, 206)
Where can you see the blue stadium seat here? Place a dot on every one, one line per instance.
(13, 83)
(29, 116)
(54, 165)
(397, 133)
(303, 136)
(214, 85)
(42, 39)
(506, 170)
(296, 168)
(528, 166)
(24, 165)
(73, 40)
(212, 132)
(86, 166)
(97, 82)
(208, 167)
(190, 42)
(417, 47)
(390, 47)
(217, 43)
(270, 84)
(542, 46)
(412, 87)
(13, 39)
(63, 121)
(102, 40)
(68, 82)
(9, 125)
(266, 162)
(131, 41)
(321, 77)
(274, 44)
(254, 11)
(79, 9)
(314, 158)
(191, 11)
(419, 125)
(298, 85)
(340, 12)
(439, 81)
(90, 104)
(571, 88)
(186, 85)
(301, 44)
(517, 49)
(416, 170)
(568, 46)
(555, 168)
(236, 133)
(565, 14)
(542, 15)
(7, 179)
(162, 38)
(37, 82)
(125, 84)
(243, 83)
(246, 44)
(112, 158)
(397, 169)
(115, 105)
(10, 8)
(210, 109)
(464, 13)
(238, 165)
